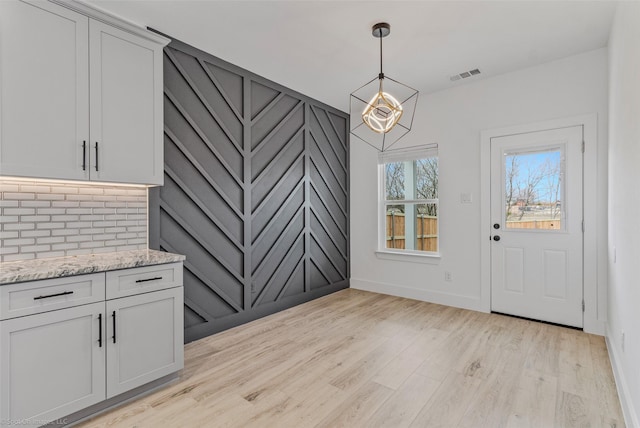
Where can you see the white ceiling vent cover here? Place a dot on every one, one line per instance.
(465, 74)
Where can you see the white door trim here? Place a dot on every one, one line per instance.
(593, 322)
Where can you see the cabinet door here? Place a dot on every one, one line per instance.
(126, 106)
(145, 339)
(44, 90)
(51, 364)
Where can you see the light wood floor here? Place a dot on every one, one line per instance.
(359, 359)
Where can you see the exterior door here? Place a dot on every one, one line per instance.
(536, 220)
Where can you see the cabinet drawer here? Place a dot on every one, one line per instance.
(27, 298)
(127, 282)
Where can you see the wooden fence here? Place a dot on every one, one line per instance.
(534, 224)
(426, 231)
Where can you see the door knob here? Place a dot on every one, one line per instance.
(496, 238)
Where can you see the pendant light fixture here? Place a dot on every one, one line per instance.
(383, 118)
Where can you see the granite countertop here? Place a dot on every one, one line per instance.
(29, 270)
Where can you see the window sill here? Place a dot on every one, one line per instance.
(431, 258)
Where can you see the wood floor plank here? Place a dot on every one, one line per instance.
(575, 364)
(439, 362)
(398, 370)
(545, 350)
(312, 405)
(427, 342)
(354, 375)
(175, 414)
(603, 391)
(483, 352)
(403, 406)
(534, 403)
(226, 412)
(449, 403)
(573, 411)
(494, 395)
(355, 410)
(355, 358)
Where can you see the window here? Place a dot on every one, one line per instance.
(533, 189)
(409, 201)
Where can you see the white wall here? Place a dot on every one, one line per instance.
(454, 118)
(624, 207)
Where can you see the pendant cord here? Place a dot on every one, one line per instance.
(380, 35)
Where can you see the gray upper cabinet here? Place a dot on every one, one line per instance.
(44, 88)
(126, 106)
(59, 64)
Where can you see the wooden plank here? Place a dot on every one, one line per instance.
(534, 403)
(353, 412)
(603, 389)
(405, 403)
(572, 411)
(449, 403)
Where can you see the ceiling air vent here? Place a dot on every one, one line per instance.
(464, 74)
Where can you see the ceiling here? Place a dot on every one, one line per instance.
(324, 49)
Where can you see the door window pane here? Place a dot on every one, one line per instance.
(534, 190)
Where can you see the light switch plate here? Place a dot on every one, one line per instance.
(465, 198)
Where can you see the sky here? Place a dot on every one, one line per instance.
(534, 163)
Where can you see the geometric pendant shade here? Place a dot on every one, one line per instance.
(363, 99)
(382, 110)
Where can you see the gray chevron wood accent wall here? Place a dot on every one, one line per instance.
(255, 194)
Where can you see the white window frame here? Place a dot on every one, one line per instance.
(393, 156)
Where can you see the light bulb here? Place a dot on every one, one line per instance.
(382, 113)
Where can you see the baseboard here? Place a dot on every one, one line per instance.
(629, 412)
(463, 302)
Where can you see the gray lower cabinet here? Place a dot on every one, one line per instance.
(76, 353)
(145, 338)
(51, 365)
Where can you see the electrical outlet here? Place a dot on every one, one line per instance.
(447, 276)
(622, 341)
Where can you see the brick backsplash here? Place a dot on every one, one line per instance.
(41, 219)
